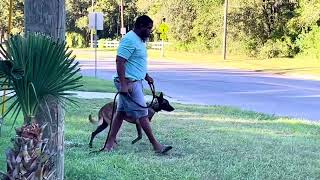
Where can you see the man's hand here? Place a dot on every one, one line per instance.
(149, 79)
(124, 87)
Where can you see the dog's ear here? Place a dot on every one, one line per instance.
(161, 95)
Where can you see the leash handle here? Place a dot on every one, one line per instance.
(153, 90)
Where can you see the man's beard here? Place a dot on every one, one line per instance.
(145, 38)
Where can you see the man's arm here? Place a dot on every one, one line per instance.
(121, 69)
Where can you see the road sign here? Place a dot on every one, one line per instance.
(96, 21)
(123, 31)
(163, 29)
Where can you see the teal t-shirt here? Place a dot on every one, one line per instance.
(134, 50)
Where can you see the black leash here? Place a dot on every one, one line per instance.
(151, 85)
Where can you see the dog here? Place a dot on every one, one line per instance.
(105, 114)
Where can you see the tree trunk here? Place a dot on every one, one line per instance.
(50, 112)
(45, 16)
(48, 17)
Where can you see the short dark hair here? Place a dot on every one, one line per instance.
(143, 20)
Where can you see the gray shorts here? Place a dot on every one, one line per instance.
(125, 104)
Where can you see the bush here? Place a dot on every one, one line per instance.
(102, 43)
(196, 46)
(75, 40)
(275, 48)
(309, 43)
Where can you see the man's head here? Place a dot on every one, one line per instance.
(143, 27)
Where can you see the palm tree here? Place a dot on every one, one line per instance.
(37, 71)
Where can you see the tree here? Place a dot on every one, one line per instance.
(180, 16)
(17, 18)
(78, 11)
(208, 25)
(38, 69)
(263, 23)
(48, 17)
(304, 28)
(77, 18)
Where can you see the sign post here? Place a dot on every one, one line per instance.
(225, 31)
(163, 28)
(95, 23)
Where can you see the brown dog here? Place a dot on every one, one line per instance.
(105, 114)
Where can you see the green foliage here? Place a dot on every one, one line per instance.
(75, 40)
(78, 11)
(274, 48)
(36, 66)
(198, 24)
(180, 16)
(309, 43)
(101, 43)
(207, 27)
(17, 17)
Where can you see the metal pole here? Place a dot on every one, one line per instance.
(91, 35)
(95, 46)
(121, 12)
(225, 29)
(162, 48)
(9, 34)
(10, 17)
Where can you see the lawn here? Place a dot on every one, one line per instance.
(302, 66)
(91, 84)
(210, 142)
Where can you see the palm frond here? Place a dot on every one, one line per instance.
(38, 66)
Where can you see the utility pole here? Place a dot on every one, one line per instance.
(122, 30)
(225, 29)
(91, 35)
(10, 18)
(4, 92)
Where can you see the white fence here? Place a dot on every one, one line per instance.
(111, 44)
(150, 45)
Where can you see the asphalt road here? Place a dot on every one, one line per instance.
(261, 92)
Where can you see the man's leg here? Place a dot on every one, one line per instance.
(115, 126)
(144, 122)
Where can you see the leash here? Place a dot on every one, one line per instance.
(151, 85)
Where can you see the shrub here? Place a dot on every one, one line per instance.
(101, 43)
(275, 48)
(75, 40)
(309, 43)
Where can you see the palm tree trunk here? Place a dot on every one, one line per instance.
(48, 17)
(50, 112)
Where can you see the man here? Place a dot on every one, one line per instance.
(131, 65)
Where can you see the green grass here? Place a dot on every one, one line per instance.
(210, 142)
(305, 66)
(91, 84)
(96, 85)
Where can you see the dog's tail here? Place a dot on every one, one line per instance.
(93, 121)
